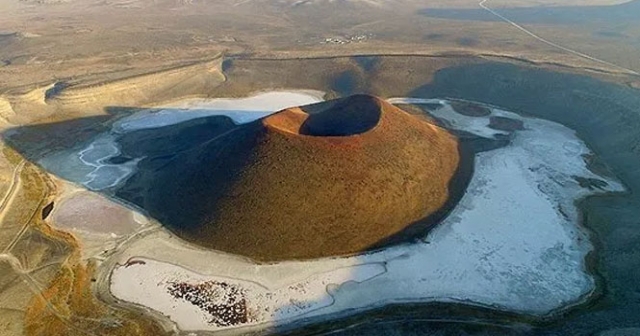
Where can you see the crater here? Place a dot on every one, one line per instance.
(350, 116)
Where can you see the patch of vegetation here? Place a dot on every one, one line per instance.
(67, 305)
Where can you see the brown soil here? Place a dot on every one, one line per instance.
(67, 305)
(352, 173)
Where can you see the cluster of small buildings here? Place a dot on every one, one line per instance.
(347, 39)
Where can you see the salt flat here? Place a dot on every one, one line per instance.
(88, 165)
(514, 242)
(240, 110)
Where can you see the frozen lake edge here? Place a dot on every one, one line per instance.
(451, 241)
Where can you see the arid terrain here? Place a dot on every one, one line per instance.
(81, 81)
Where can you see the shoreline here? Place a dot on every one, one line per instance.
(371, 257)
(595, 237)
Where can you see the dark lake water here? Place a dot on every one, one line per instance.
(607, 117)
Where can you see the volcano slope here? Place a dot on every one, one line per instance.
(333, 178)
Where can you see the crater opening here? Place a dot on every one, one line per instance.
(351, 116)
(345, 117)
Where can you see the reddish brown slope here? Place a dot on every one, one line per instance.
(335, 182)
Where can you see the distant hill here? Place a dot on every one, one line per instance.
(328, 179)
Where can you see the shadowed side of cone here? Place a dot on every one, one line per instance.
(297, 185)
(312, 193)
